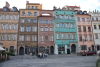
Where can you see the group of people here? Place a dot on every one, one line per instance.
(41, 55)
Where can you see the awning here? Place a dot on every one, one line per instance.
(1, 49)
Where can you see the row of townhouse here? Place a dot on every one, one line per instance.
(58, 31)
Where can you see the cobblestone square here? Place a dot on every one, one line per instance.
(50, 61)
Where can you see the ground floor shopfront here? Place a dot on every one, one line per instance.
(66, 48)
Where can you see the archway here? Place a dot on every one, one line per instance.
(73, 48)
(42, 49)
(52, 50)
(21, 51)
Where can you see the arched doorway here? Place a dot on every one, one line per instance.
(21, 51)
(73, 48)
(52, 50)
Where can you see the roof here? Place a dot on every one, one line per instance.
(73, 6)
(33, 3)
(1, 9)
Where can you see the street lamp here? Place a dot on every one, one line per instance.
(83, 44)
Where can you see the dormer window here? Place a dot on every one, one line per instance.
(4, 9)
(14, 9)
(28, 7)
(75, 12)
(80, 12)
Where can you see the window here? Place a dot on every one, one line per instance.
(66, 17)
(9, 26)
(29, 13)
(72, 25)
(70, 17)
(16, 17)
(99, 26)
(35, 20)
(22, 20)
(57, 16)
(50, 21)
(84, 29)
(0, 17)
(88, 20)
(41, 28)
(58, 25)
(3, 26)
(58, 36)
(28, 7)
(34, 28)
(28, 29)
(4, 9)
(66, 25)
(36, 7)
(80, 38)
(3, 37)
(14, 9)
(28, 20)
(51, 38)
(91, 38)
(41, 21)
(8, 37)
(15, 26)
(83, 47)
(95, 27)
(63, 25)
(23, 13)
(73, 36)
(41, 38)
(83, 19)
(89, 29)
(63, 36)
(21, 37)
(46, 28)
(35, 13)
(96, 36)
(22, 29)
(97, 19)
(27, 37)
(92, 18)
(51, 29)
(46, 21)
(5, 17)
(10, 17)
(61, 16)
(34, 38)
(85, 37)
(46, 38)
(68, 36)
(14, 37)
(32, 7)
(78, 19)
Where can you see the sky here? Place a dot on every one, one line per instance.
(48, 4)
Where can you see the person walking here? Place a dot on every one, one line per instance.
(40, 55)
(98, 59)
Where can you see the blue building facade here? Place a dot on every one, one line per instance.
(65, 32)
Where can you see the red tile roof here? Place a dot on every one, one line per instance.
(1, 9)
(73, 6)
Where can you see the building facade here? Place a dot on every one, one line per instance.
(95, 18)
(46, 31)
(9, 27)
(65, 32)
(27, 32)
(85, 33)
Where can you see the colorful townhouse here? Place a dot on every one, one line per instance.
(85, 32)
(9, 18)
(65, 31)
(95, 18)
(46, 31)
(28, 29)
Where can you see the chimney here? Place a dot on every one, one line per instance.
(7, 4)
(27, 2)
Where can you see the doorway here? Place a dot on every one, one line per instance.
(52, 50)
(21, 51)
(73, 48)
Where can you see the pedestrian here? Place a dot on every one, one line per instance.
(98, 59)
(40, 55)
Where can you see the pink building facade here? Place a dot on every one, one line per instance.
(46, 31)
(85, 33)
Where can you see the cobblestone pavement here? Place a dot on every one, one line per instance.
(50, 61)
